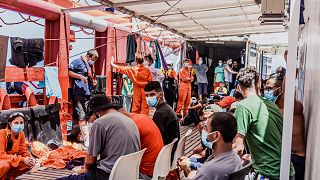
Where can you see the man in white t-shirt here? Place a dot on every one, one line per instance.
(228, 72)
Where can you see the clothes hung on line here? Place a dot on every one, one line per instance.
(131, 48)
(26, 52)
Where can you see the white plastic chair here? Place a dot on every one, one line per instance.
(127, 167)
(180, 149)
(163, 163)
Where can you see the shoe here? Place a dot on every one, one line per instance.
(85, 130)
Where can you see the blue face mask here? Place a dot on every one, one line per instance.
(204, 136)
(152, 101)
(16, 128)
(269, 95)
(90, 62)
(194, 101)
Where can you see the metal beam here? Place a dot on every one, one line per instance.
(244, 30)
(238, 33)
(85, 8)
(113, 16)
(232, 21)
(221, 27)
(135, 3)
(194, 7)
(211, 17)
(141, 17)
(130, 24)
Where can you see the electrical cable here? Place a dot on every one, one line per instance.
(30, 20)
(160, 16)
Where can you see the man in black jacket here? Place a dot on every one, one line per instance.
(164, 116)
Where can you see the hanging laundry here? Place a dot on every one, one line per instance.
(52, 82)
(131, 48)
(3, 55)
(157, 63)
(163, 61)
(26, 52)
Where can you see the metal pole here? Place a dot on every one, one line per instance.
(290, 90)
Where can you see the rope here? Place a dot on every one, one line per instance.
(160, 16)
(95, 48)
(87, 33)
(30, 20)
(15, 23)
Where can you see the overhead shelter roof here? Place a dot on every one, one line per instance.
(195, 19)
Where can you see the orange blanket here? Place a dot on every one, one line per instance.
(58, 158)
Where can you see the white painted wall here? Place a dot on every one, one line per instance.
(312, 89)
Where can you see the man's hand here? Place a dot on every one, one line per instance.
(28, 161)
(94, 83)
(84, 79)
(83, 170)
(184, 163)
(238, 144)
(112, 61)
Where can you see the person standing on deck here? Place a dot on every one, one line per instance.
(81, 72)
(218, 74)
(260, 123)
(184, 98)
(274, 91)
(228, 73)
(169, 84)
(140, 76)
(127, 92)
(202, 80)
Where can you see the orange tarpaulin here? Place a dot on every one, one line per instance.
(57, 159)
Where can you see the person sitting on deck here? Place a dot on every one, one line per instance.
(15, 159)
(164, 116)
(221, 90)
(150, 138)
(112, 135)
(221, 128)
(193, 115)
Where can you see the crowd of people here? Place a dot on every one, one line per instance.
(239, 118)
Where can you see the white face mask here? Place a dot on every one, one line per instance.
(186, 65)
(220, 64)
(200, 62)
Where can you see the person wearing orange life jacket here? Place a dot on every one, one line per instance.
(186, 78)
(140, 76)
(15, 159)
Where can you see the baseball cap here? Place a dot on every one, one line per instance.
(226, 101)
(213, 108)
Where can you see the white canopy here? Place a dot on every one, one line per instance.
(198, 18)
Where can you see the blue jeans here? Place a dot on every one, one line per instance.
(202, 87)
(93, 174)
(299, 166)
